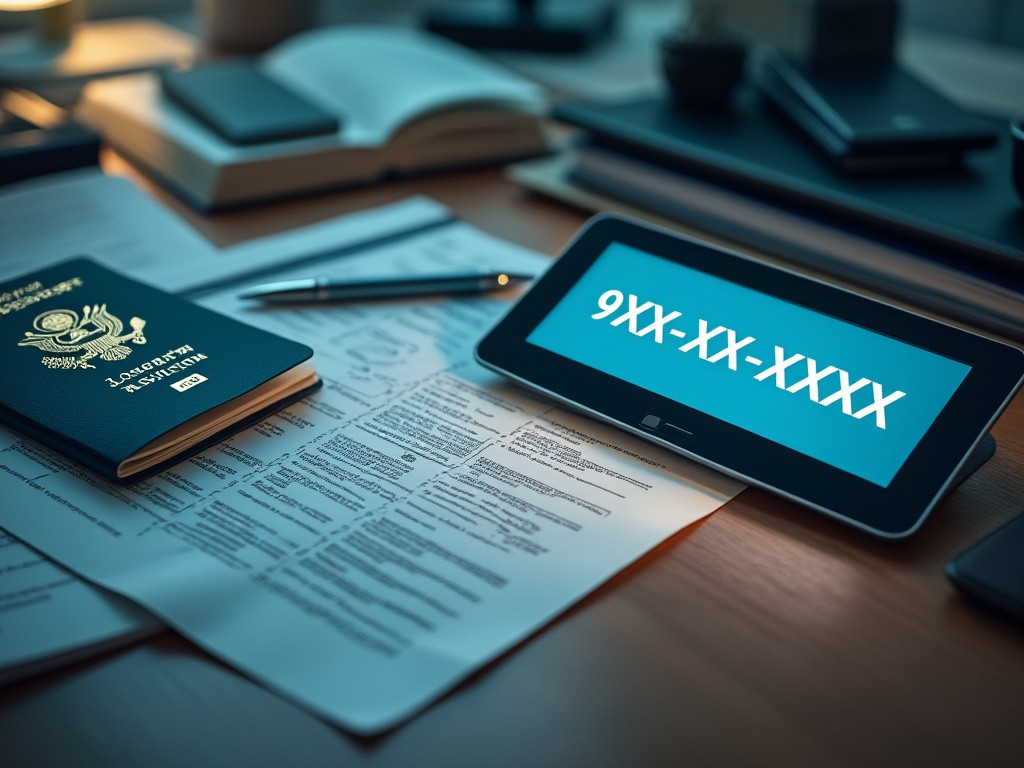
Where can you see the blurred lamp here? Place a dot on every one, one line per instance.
(54, 19)
(60, 55)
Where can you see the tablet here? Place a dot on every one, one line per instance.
(848, 405)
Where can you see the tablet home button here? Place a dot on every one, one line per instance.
(650, 421)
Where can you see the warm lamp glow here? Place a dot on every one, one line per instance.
(55, 20)
(29, 5)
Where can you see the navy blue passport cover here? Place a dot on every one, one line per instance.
(97, 365)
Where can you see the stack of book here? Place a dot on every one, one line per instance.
(407, 102)
(950, 241)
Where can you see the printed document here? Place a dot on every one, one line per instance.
(49, 616)
(364, 550)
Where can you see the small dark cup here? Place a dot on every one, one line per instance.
(1017, 136)
(702, 73)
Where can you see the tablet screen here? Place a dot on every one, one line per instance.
(855, 399)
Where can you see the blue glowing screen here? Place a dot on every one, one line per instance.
(849, 397)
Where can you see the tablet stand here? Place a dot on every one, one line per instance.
(986, 448)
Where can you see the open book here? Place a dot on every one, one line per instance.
(408, 102)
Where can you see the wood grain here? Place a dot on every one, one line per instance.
(765, 635)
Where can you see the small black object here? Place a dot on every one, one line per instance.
(532, 25)
(993, 569)
(37, 137)
(33, 151)
(1017, 136)
(875, 119)
(244, 105)
(702, 73)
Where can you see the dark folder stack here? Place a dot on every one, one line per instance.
(950, 240)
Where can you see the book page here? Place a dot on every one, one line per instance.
(364, 550)
(378, 78)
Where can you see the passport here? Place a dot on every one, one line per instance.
(128, 379)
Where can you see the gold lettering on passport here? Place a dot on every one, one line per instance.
(17, 299)
(170, 363)
(96, 333)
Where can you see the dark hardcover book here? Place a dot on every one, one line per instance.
(968, 214)
(128, 379)
(244, 104)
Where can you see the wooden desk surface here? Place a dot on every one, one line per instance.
(765, 635)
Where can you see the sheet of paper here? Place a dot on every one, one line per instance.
(84, 213)
(51, 218)
(49, 616)
(364, 550)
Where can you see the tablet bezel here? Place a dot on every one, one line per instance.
(894, 511)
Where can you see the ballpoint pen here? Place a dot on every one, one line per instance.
(327, 289)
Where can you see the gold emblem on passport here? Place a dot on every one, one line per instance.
(96, 333)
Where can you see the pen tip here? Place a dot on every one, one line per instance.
(511, 278)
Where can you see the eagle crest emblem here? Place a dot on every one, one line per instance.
(94, 333)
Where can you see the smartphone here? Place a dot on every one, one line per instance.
(993, 569)
(245, 105)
